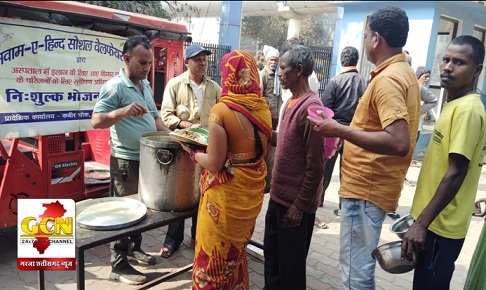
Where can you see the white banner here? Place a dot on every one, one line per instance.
(51, 76)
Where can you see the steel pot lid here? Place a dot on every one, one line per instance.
(109, 213)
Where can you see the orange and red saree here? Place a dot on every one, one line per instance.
(231, 199)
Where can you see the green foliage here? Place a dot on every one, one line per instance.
(153, 8)
(169, 10)
(267, 30)
(317, 30)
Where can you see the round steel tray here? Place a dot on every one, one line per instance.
(109, 213)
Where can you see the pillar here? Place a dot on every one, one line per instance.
(294, 28)
(230, 23)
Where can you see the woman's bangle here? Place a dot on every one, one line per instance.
(192, 155)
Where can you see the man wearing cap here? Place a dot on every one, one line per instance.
(193, 89)
(198, 93)
(270, 88)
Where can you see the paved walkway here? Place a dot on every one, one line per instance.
(323, 269)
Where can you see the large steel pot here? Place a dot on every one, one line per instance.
(169, 180)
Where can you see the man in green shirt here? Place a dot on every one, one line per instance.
(448, 180)
(126, 105)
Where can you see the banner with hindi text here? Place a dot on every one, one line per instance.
(51, 76)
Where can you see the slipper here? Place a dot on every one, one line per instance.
(409, 183)
(321, 224)
(393, 215)
(167, 251)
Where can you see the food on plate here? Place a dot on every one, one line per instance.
(191, 134)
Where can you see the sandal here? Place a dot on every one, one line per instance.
(409, 183)
(393, 215)
(320, 224)
(168, 251)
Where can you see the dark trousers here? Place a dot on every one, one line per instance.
(436, 263)
(175, 233)
(285, 250)
(328, 169)
(274, 124)
(124, 181)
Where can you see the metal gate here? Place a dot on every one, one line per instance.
(214, 65)
(322, 66)
(322, 62)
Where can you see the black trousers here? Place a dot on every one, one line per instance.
(175, 233)
(436, 263)
(328, 169)
(285, 250)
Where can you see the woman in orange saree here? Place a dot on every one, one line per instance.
(233, 178)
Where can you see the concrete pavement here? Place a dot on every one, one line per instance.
(323, 268)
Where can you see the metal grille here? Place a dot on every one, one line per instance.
(322, 66)
(322, 62)
(56, 143)
(214, 65)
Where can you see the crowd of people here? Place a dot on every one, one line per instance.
(377, 119)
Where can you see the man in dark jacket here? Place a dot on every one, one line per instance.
(341, 95)
(269, 84)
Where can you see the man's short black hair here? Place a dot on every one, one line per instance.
(349, 56)
(477, 47)
(301, 55)
(392, 24)
(135, 40)
(294, 40)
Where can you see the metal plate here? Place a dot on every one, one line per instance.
(185, 139)
(109, 213)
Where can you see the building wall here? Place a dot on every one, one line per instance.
(424, 18)
(469, 14)
(352, 27)
(203, 30)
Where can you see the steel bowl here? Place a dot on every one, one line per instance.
(182, 112)
(388, 256)
(401, 225)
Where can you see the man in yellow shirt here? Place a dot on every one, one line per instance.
(448, 180)
(378, 146)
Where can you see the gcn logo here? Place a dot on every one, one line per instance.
(50, 233)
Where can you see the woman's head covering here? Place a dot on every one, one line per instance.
(239, 74)
(421, 70)
(241, 88)
(269, 51)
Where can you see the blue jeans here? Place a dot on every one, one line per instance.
(361, 223)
